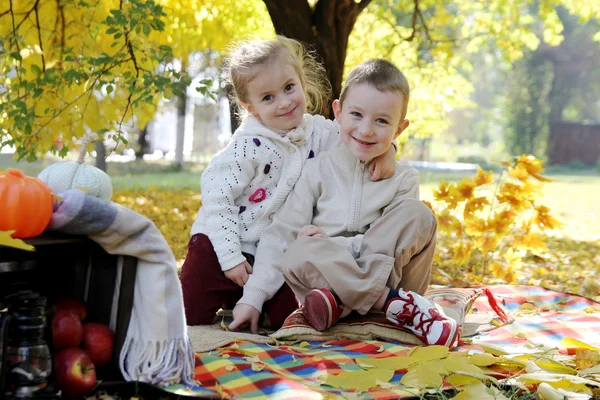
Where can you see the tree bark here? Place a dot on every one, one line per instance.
(100, 155)
(180, 133)
(326, 28)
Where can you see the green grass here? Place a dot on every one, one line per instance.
(571, 195)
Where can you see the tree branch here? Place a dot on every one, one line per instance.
(39, 31)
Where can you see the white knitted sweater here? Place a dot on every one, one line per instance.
(248, 181)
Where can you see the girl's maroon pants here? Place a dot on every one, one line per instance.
(206, 289)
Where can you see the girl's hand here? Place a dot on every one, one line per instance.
(311, 230)
(383, 166)
(244, 314)
(239, 274)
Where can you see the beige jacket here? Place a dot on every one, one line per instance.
(336, 194)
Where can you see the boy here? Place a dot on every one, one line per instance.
(360, 245)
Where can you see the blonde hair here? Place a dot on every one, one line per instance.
(381, 74)
(249, 54)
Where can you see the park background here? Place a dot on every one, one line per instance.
(492, 81)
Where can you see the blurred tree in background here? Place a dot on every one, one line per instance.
(68, 67)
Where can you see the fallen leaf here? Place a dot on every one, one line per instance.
(258, 366)
(317, 358)
(461, 380)
(303, 345)
(547, 392)
(225, 356)
(385, 385)
(422, 376)
(571, 343)
(460, 364)
(546, 364)
(480, 392)
(394, 363)
(229, 367)
(483, 359)
(428, 353)
(359, 380)
(585, 358)
(521, 335)
(381, 349)
(7, 240)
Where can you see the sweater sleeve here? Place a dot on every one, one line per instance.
(329, 133)
(224, 180)
(408, 188)
(296, 212)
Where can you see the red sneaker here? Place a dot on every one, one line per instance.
(424, 318)
(322, 309)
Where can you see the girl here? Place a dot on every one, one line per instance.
(274, 82)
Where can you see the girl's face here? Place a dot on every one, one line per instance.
(275, 95)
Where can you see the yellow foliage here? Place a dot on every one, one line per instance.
(488, 228)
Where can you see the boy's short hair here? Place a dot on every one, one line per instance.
(381, 74)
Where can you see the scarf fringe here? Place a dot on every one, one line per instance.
(158, 363)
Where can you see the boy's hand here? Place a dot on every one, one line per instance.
(239, 273)
(243, 314)
(311, 230)
(383, 166)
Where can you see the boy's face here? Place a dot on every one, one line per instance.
(275, 95)
(369, 120)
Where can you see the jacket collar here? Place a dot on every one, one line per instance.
(299, 135)
(344, 158)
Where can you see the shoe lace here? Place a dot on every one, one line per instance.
(425, 323)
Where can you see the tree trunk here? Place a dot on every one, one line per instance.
(326, 28)
(181, 107)
(100, 155)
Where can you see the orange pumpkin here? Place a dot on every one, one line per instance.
(25, 204)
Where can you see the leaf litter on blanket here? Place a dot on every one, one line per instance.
(359, 380)
(481, 392)
(422, 376)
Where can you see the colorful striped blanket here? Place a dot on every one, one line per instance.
(246, 370)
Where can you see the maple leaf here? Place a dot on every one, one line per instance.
(473, 205)
(441, 194)
(533, 166)
(483, 177)
(544, 220)
(6, 239)
(481, 392)
(462, 253)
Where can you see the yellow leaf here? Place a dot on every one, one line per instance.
(461, 380)
(571, 343)
(483, 359)
(317, 358)
(521, 335)
(460, 364)
(480, 392)
(585, 358)
(428, 353)
(482, 177)
(303, 345)
(6, 239)
(229, 367)
(225, 356)
(422, 376)
(385, 385)
(394, 363)
(258, 366)
(359, 380)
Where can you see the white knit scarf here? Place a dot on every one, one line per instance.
(157, 348)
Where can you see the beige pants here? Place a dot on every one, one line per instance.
(397, 252)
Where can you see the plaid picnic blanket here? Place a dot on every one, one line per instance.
(250, 371)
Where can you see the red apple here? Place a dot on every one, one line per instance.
(75, 372)
(76, 306)
(67, 330)
(98, 342)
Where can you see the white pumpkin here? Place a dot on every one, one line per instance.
(63, 176)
